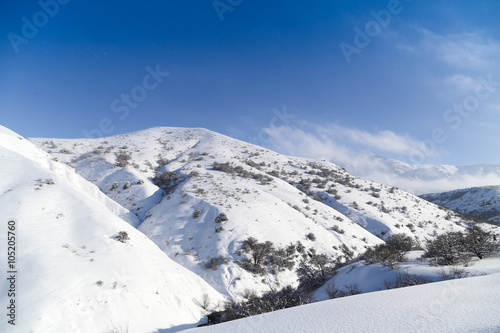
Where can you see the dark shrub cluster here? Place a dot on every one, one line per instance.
(311, 236)
(214, 263)
(253, 305)
(221, 218)
(122, 159)
(167, 181)
(258, 257)
(456, 247)
(314, 271)
(240, 171)
(122, 236)
(196, 213)
(393, 251)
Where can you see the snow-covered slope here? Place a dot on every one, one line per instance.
(264, 195)
(464, 305)
(73, 274)
(373, 277)
(482, 202)
(419, 179)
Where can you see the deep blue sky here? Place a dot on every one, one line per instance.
(229, 75)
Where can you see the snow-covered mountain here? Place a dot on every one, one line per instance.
(289, 201)
(75, 269)
(421, 179)
(482, 202)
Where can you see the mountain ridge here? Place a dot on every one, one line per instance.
(482, 202)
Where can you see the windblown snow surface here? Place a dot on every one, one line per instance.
(464, 305)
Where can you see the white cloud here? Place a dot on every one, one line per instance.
(337, 142)
(464, 50)
(462, 84)
(333, 143)
(384, 141)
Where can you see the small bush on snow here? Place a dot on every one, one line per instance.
(196, 214)
(122, 236)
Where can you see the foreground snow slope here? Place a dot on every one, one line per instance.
(464, 305)
(482, 202)
(73, 275)
(264, 195)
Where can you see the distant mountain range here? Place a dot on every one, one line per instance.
(422, 179)
(482, 202)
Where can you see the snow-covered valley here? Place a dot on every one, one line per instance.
(188, 200)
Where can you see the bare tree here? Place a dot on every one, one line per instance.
(480, 242)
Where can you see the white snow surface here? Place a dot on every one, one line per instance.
(72, 274)
(464, 305)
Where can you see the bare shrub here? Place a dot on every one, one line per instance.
(314, 271)
(205, 302)
(333, 291)
(122, 159)
(122, 236)
(454, 273)
(405, 279)
(196, 213)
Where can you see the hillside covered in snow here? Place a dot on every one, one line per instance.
(201, 196)
(80, 265)
(481, 202)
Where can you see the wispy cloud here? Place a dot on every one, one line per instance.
(340, 143)
(355, 150)
(465, 50)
